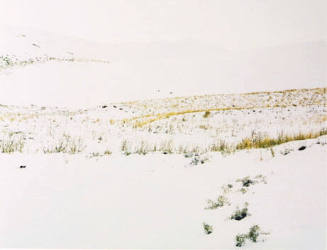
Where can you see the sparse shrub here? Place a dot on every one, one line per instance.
(260, 178)
(124, 147)
(243, 190)
(186, 154)
(240, 214)
(166, 146)
(95, 154)
(220, 202)
(7, 61)
(259, 141)
(227, 188)
(323, 131)
(246, 181)
(220, 146)
(12, 143)
(142, 149)
(240, 240)
(204, 127)
(286, 151)
(66, 144)
(195, 161)
(208, 229)
(107, 152)
(206, 114)
(252, 235)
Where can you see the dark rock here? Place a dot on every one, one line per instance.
(104, 106)
(302, 148)
(240, 216)
(22, 166)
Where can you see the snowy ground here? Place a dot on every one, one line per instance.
(158, 201)
(93, 178)
(108, 172)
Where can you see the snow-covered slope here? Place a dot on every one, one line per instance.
(215, 171)
(148, 70)
(127, 175)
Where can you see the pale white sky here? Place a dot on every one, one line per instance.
(235, 24)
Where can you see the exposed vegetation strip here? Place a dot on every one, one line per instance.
(160, 116)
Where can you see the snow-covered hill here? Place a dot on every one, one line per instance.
(153, 145)
(215, 171)
(147, 70)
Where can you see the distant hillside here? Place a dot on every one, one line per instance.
(149, 70)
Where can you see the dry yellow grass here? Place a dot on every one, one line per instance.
(266, 142)
(185, 105)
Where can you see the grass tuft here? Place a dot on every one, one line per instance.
(12, 143)
(258, 141)
(66, 144)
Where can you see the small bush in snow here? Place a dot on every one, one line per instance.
(107, 152)
(246, 181)
(220, 202)
(240, 214)
(240, 239)
(208, 229)
(252, 235)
